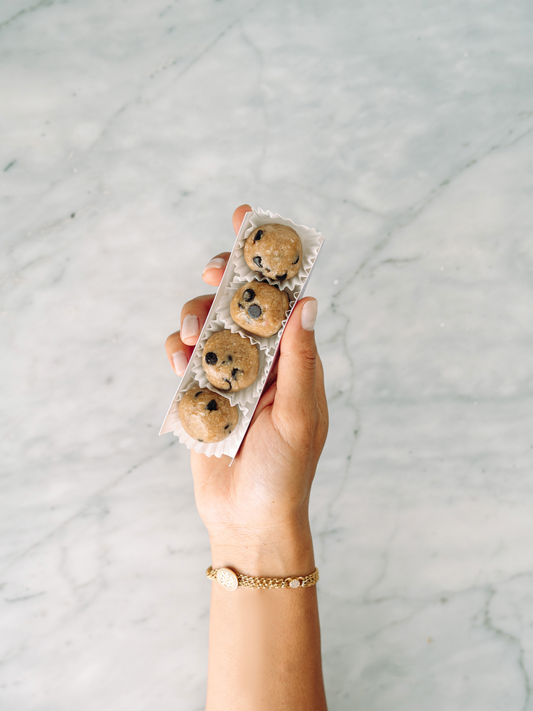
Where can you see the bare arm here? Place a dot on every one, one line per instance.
(264, 645)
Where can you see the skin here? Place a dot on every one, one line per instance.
(264, 648)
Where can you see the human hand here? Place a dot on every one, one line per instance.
(256, 510)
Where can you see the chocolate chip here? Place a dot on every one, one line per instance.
(229, 385)
(211, 358)
(281, 277)
(234, 373)
(211, 405)
(249, 295)
(200, 440)
(257, 260)
(226, 427)
(258, 235)
(230, 358)
(198, 393)
(255, 311)
(297, 259)
(241, 306)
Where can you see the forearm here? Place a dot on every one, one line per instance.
(264, 645)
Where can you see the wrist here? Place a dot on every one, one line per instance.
(277, 551)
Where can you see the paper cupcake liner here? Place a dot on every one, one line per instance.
(224, 315)
(311, 241)
(241, 397)
(228, 446)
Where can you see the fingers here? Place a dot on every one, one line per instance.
(180, 345)
(178, 353)
(214, 270)
(193, 316)
(238, 216)
(297, 367)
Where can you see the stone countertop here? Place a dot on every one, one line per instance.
(402, 132)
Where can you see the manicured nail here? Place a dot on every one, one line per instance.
(309, 314)
(190, 327)
(215, 263)
(180, 362)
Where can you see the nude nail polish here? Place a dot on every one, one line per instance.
(190, 327)
(215, 263)
(309, 314)
(180, 362)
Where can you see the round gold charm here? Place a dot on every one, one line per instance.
(227, 578)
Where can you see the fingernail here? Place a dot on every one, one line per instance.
(180, 362)
(309, 314)
(189, 327)
(215, 263)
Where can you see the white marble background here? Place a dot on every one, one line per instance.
(130, 129)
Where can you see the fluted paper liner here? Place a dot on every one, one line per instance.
(237, 272)
(224, 314)
(229, 446)
(248, 395)
(311, 241)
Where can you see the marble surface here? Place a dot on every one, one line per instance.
(404, 133)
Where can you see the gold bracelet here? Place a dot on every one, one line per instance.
(231, 581)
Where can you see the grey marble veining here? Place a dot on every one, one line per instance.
(404, 133)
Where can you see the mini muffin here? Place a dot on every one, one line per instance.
(207, 416)
(259, 308)
(231, 361)
(274, 251)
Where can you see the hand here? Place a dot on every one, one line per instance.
(256, 510)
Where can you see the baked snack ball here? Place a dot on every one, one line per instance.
(231, 361)
(207, 416)
(259, 308)
(274, 251)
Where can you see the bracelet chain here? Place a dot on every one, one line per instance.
(294, 581)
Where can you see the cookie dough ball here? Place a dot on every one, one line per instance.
(207, 416)
(230, 361)
(259, 308)
(274, 251)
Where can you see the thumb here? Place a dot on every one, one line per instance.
(296, 383)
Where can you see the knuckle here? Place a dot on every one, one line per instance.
(188, 307)
(171, 339)
(307, 359)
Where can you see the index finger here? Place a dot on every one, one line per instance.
(238, 216)
(214, 270)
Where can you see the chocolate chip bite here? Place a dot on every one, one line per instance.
(259, 308)
(231, 361)
(207, 416)
(274, 251)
